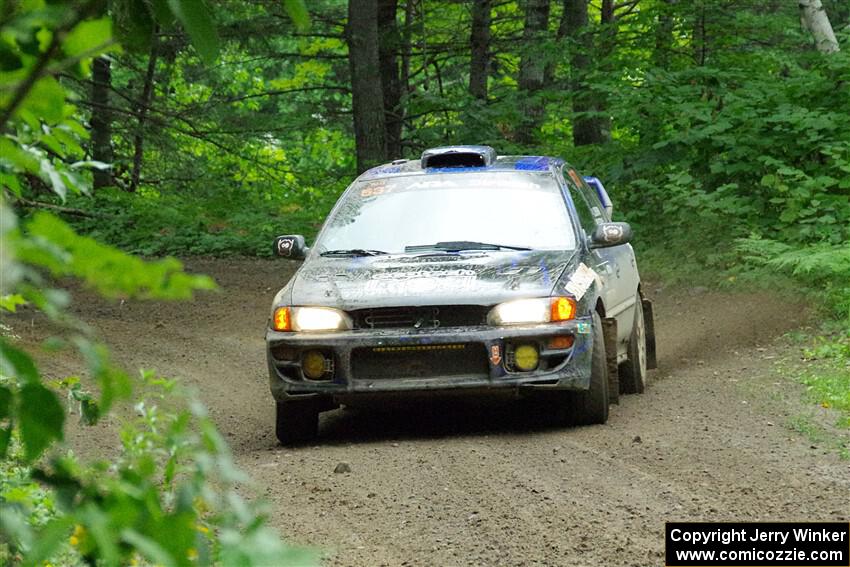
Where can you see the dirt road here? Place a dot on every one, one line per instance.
(481, 484)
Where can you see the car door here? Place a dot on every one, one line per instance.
(616, 265)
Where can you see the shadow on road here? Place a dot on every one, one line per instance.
(434, 418)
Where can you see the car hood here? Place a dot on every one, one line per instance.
(469, 278)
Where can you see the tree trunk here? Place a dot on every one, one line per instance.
(664, 34)
(388, 49)
(479, 41)
(407, 46)
(606, 15)
(586, 129)
(366, 90)
(606, 44)
(101, 121)
(813, 17)
(700, 38)
(145, 102)
(532, 69)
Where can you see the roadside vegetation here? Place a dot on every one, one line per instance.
(163, 128)
(167, 496)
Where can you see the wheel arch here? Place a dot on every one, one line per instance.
(599, 307)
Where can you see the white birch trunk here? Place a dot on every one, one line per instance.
(814, 18)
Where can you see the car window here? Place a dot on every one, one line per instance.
(585, 216)
(524, 209)
(597, 209)
(588, 216)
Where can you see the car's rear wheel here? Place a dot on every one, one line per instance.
(633, 370)
(591, 405)
(297, 421)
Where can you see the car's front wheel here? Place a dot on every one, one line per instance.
(633, 370)
(297, 421)
(591, 405)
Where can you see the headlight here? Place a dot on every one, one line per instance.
(319, 319)
(309, 319)
(530, 311)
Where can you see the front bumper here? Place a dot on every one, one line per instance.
(566, 369)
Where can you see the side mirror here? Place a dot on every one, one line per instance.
(610, 234)
(291, 246)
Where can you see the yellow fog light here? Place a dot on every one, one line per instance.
(526, 357)
(313, 364)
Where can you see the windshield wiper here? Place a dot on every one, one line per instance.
(460, 245)
(353, 252)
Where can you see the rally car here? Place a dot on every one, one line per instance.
(462, 270)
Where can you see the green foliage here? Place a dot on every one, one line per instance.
(821, 267)
(54, 506)
(195, 17)
(297, 10)
(28, 505)
(745, 149)
(53, 245)
(837, 349)
(44, 139)
(40, 418)
(738, 132)
(173, 224)
(828, 381)
(168, 498)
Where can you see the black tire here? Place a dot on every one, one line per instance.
(633, 370)
(296, 421)
(591, 405)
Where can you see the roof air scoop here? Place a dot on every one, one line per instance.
(458, 156)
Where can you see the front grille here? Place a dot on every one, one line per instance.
(419, 361)
(420, 317)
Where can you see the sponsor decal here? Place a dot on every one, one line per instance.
(583, 328)
(284, 246)
(580, 281)
(382, 285)
(495, 355)
(612, 233)
(375, 188)
(597, 214)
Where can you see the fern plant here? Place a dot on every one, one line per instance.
(824, 266)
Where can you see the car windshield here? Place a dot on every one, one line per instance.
(450, 212)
